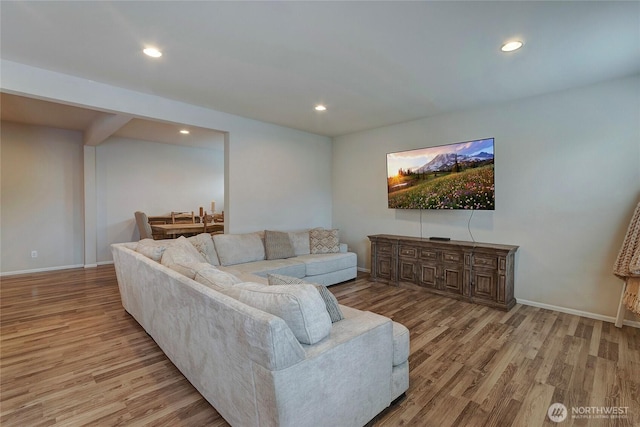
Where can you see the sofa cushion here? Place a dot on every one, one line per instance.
(181, 251)
(323, 241)
(239, 248)
(330, 301)
(152, 248)
(300, 306)
(188, 268)
(244, 277)
(400, 335)
(300, 242)
(400, 344)
(181, 257)
(327, 263)
(204, 244)
(277, 245)
(215, 279)
(288, 267)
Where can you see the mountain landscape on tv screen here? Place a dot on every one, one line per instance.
(455, 177)
(448, 161)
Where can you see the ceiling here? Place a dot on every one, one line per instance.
(30, 111)
(371, 63)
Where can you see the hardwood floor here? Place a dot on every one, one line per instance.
(70, 355)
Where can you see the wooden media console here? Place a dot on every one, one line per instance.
(481, 273)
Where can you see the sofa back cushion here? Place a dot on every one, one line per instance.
(300, 306)
(204, 244)
(239, 248)
(300, 242)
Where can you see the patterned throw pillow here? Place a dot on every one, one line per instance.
(277, 245)
(324, 241)
(333, 308)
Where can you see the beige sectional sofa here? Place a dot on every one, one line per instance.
(262, 353)
(249, 253)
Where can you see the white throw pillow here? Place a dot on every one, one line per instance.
(181, 256)
(216, 279)
(333, 308)
(300, 306)
(189, 269)
(153, 248)
(204, 244)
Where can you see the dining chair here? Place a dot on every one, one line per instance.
(142, 221)
(177, 217)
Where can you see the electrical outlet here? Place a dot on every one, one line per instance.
(34, 254)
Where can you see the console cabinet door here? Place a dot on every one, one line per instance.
(384, 261)
(428, 273)
(485, 277)
(485, 285)
(452, 275)
(407, 263)
(452, 271)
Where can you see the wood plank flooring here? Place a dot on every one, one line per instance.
(70, 356)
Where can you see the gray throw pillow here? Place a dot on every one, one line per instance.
(333, 308)
(277, 245)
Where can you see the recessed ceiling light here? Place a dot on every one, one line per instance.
(511, 46)
(320, 107)
(152, 52)
(184, 131)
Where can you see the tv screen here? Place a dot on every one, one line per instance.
(452, 176)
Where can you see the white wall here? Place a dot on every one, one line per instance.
(154, 178)
(41, 198)
(278, 180)
(276, 177)
(567, 180)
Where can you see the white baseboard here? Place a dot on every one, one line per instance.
(61, 267)
(587, 314)
(40, 270)
(610, 319)
(98, 263)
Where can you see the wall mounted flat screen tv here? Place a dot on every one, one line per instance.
(452, 176)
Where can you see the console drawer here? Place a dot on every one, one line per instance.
(408, 251)
(428, 254)
(452, 256)
(383, 249)
(485, 260)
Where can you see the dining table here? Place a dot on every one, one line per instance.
(186, 229)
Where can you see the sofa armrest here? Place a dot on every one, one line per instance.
(345, 379)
